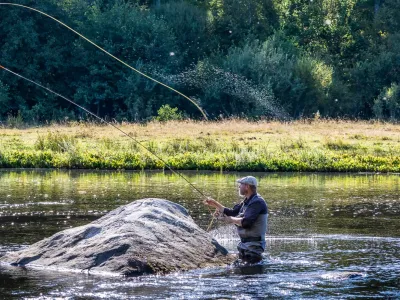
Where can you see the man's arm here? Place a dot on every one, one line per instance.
(222, 209)
(234, 220)
(214, 203)
(232, 212)
(250, 215)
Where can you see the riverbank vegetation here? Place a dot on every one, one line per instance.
(229, 145)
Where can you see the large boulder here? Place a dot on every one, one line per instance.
(145, 236)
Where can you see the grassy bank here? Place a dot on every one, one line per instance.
(233, 145)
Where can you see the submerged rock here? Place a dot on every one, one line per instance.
(145, 236)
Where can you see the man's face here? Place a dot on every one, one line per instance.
(243, 189)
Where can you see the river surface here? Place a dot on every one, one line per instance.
(321, 227)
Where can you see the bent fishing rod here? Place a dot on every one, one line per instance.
(117, 128)
(126, 65)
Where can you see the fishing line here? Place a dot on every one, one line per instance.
(119, 129)
(109, 54)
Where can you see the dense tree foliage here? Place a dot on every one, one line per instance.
(258, 58)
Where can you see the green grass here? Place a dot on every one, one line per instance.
(322, 146)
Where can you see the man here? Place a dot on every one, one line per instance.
(250, 218)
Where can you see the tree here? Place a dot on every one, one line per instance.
(387, 104)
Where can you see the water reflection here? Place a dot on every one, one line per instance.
(321, 227)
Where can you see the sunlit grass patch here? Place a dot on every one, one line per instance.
(359, 137)
(339, 144)
(55, 141)
(287, 145)
(235, 145)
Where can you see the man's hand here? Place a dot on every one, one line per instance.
(213, 203)
(217, 214)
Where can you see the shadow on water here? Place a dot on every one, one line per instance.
(330, 235)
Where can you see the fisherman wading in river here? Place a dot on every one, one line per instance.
(250, 217)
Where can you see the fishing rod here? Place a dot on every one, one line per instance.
(109, 54)
(119, 129)
(126, 65)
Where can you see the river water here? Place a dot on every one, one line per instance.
(321, 227)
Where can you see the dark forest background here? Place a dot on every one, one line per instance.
(236, 58)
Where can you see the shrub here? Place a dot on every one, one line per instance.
(56, 142)
(299, 82)
(387, 104)
(168, 113)
(15, 121)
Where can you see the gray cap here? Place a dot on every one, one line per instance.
(248, 180)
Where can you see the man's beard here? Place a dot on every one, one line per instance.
(240, 194)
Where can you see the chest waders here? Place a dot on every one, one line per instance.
(252, 240)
